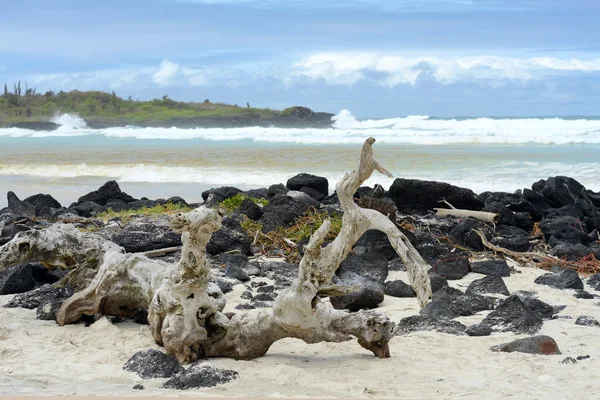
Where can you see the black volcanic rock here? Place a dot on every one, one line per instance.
(317, 183)
(489, 284)
(42, 203)
(108, 192)
(514, 316)
(153, 364)
(18, 207)
(199, 375)
(491, 267)
(565, 279)
(413, 195)
(16, 279)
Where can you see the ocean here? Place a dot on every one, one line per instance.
(495, 154)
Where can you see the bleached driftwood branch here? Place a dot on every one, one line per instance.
(483, 216)
(185, 310)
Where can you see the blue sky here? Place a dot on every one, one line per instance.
(376, 58)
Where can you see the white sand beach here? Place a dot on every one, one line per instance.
(41, 358)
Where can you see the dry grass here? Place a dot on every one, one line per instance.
(585, 266)
(285, 239)
(127, 215)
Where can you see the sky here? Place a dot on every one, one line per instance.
(376, 58)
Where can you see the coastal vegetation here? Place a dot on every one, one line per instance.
(126, 215)
(234, 202)
(22, 105)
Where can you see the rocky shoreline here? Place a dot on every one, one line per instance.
(557, 216)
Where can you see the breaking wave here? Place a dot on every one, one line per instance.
(416, 130)
(506, 176)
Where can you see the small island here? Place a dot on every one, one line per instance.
(28, 109)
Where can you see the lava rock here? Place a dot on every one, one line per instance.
(222, 193)
(198, 375)
(227, 239)
(565, 279)
(145, 234)
(317, 183)
(470, 304)
(512, 238)
(251, 268)
(368, 294)
(18, 207)
(276, 189)
(263, 297)
(87, 209)
(398, 288)
(541, 344)
(478, 330)
(416, 323)
(108, 192)
(258, 193)
(265, 289)
(418, 196)
(16, 279)
(46, 311)
(41, 295)
(372, 266)
(594, 281)
(437, 282)
(376, 243)
(491, 267)
(453, 268)
(235, 272)
(586, 320)
(303, 199)
(312, 193)
(582, 294)
(524, 221)
(282, 211)
(247, 295)
(138, 387)
(245, 306)
(282, 273)
(464, 235)
(569, 360)
(489, 284)
(43, 203)
(565, 229)
(571, 252)
(506, 216)
(153, 364)
(234, 259)
(512, 315)
(249, 208)
(223, 284)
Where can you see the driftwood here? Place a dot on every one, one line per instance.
(479, 215)
(185, 309)
(483, 216)
(523, 256)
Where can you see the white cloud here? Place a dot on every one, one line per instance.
(167, 73)
(349, 68)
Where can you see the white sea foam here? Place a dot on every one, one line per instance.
(506, 176)
(418, 130)
(69, 122)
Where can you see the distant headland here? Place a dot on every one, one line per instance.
(26, 108)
